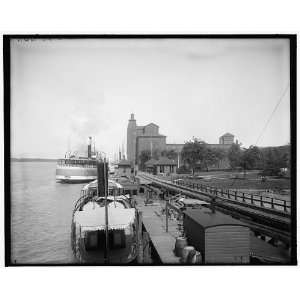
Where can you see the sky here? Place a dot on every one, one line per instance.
(63, 91)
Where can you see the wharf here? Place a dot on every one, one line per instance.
(164, 242)
(278, 222)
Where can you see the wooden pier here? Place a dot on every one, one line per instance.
(274, 223)
(163, 242)
(163, 236)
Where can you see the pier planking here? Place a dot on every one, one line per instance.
(164, 242)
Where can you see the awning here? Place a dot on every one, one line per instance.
(111, 185)
(118, 218)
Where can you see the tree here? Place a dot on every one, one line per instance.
(198, 155)
(274, 160)
(220, 154)
(250, 158)
(144, 156)
(234, 156)
(193, 152)
(171, 154)
(210, 158)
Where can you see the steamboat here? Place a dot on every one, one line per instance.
(104, 225)
(77, 169)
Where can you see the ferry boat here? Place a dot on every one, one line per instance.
(88, 232)
(77, 169)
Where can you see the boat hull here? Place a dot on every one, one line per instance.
(75, 174)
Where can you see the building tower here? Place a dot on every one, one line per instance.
(131, 139)
(226, 139)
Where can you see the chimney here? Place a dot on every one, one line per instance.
(90, 147)
(120, 155)
(102, 178)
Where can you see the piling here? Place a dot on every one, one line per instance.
(140, 252)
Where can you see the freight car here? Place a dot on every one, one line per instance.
(220, 238)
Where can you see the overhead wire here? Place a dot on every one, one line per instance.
(274, 110)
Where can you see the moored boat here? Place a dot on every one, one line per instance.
(77, 169)
(91, 232)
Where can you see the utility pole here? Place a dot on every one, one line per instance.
(102, 174)
(106, 253)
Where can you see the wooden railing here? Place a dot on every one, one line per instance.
(262, 201)
(80, 201)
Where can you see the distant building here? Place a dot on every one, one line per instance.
(164, 166)
(140, 138)
(150, 165)
(226, 139)
(124, 168)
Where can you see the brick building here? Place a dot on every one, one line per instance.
(140, 138)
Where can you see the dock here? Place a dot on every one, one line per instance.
(274, 223)
(163, 242)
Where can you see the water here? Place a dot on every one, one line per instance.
(41, 214)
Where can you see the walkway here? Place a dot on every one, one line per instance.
(164, 242)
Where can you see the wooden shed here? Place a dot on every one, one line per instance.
(220, 238)
(149, 165)
(164, 166)
(124, 168)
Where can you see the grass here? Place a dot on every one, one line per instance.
(249, 184)
(236, 180)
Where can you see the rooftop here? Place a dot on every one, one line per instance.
(206, 218)
(124, 162)
(164, 161)
(151, 124)
(150, 162)
(227, 134)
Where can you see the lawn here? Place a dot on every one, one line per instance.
(236, 180)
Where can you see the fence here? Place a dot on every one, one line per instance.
(263, 201)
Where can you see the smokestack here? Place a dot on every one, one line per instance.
(94, 146)
(123, 152)
(90, 147)
(120, 155)
(102, 178)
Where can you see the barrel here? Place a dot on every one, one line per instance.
(194, 257)
(180, 243)
(185, 253)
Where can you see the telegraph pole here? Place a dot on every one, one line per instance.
(106, 252)
(102, 175)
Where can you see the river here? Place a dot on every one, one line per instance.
(41, 213)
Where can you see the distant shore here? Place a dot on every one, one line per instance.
(33, 159)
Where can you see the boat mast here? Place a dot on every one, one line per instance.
(94, 146)
(106, 252)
